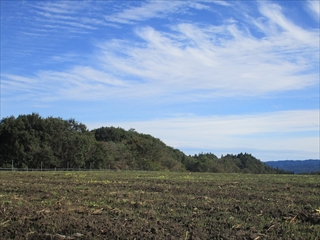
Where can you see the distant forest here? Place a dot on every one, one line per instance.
(30, 141)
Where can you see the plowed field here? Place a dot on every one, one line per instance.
(158, 205)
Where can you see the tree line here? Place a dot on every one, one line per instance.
(32, 141)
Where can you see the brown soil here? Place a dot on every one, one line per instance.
(155, 205)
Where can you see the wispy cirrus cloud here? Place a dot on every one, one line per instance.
(81, 82)
(222, 3)
(155, 9)
(126, 60)
(205, 61)
(61, 7)
(314, 8)
(151, 9)
(66, 15)
(222, 59)
(277, 18)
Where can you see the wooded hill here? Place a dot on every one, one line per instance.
(32, 141)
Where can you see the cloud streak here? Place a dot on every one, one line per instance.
(218, 60)
(223, 59)
(314, 7)
(276, 17)
(134, 56)
(65, 15)
(153, 9)
(274, 130)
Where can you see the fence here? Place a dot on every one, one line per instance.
(66, 169)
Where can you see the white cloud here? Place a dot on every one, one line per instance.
(152, 9)
(199, 6)
(62, 7)
(222, 3)
(158, 9)
(274, 14)
(266, 132)
(218, 60)
(187, 61)
(81, 82)
(314, 7)
(222, 61)
(72, 18)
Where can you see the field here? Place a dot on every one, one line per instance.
(158, 205)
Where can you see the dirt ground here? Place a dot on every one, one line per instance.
(158, 205)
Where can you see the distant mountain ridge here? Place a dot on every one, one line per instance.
(296, 166)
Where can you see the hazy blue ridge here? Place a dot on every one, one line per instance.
(296, 166)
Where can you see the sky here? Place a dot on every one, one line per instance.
(202, 76)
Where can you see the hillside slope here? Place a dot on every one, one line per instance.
(32, 141)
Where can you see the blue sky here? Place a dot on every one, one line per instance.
(207, 76)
